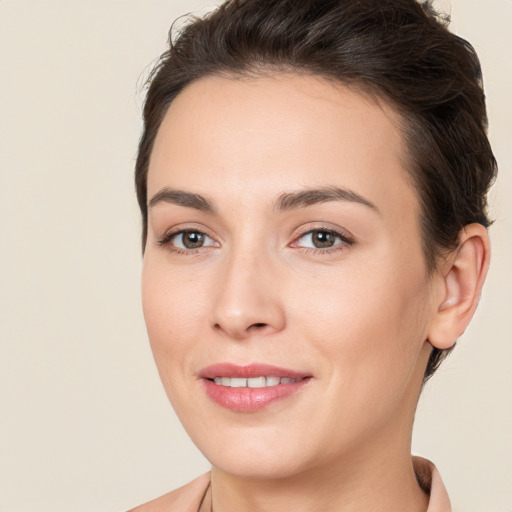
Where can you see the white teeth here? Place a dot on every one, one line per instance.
(257, 382)
(253, 382)
(238, 383)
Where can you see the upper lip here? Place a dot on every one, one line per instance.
(251, 370)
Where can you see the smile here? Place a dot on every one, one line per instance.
(252, 382)
(251, 388)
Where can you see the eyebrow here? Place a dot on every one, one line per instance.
(303, 198)
(285, 202)
(182, 198)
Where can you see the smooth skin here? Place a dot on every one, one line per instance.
(254, 270)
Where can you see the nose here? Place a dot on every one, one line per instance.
(247, 301)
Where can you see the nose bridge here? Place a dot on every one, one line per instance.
(247, 300)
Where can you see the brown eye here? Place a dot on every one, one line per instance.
(189, 240)
(192, 239)
(323, 239)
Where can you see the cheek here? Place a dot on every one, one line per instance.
(174, 318)
(172, 311)
(354, 302)
(368, 333)
(370, 326)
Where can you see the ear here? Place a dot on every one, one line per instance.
(462, 278)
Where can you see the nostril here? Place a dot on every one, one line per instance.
(259, 327)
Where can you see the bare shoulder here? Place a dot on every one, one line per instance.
(185, 499)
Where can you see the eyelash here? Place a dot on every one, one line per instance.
(344, 241)
(166, 240)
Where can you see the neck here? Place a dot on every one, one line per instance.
(386, 483)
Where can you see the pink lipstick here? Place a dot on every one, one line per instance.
(250, 388)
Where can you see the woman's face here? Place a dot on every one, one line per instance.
(284, 243)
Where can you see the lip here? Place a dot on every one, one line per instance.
(250, 399)
(250, 370)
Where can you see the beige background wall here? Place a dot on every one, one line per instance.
(84, 424)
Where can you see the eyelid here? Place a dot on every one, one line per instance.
(182, 234)
(346, 239)
(173, 232)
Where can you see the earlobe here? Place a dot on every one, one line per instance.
(461, 286)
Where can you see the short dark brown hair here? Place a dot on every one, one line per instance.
(397, 50)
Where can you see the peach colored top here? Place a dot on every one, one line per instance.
(188, 498)
(430, 480)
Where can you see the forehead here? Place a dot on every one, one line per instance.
(269, 134)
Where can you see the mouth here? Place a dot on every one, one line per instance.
(250, 388)
(252, 382)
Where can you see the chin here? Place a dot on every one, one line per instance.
(268, 455)
(267, 467)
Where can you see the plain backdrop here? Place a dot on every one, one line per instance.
(84, 422)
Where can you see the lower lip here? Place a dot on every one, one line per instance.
(251, 399)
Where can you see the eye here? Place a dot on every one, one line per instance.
(188, 240)
(321, 239)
